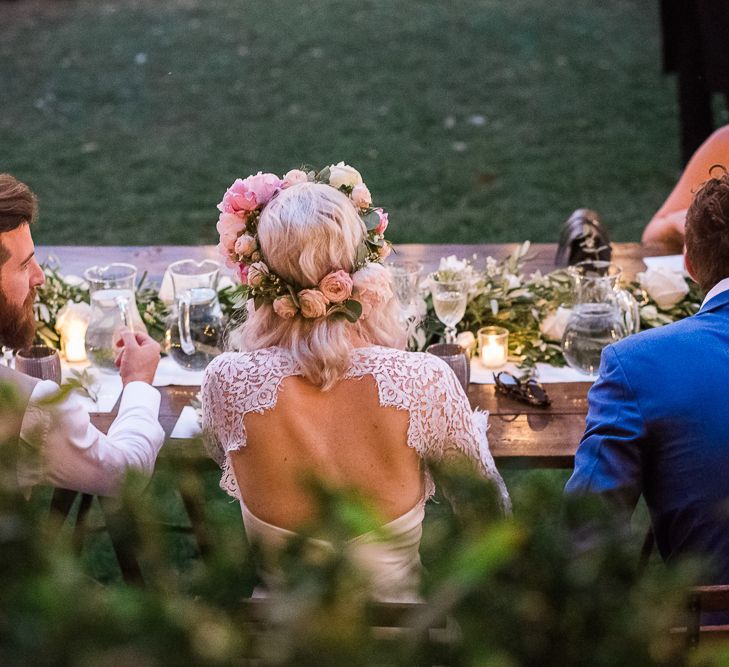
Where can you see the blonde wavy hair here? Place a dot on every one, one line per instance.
(305, 232)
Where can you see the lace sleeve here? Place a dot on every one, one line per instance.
(222, 422)
(458, 430)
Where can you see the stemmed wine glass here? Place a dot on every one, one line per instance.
(450, 296)
(406, 281)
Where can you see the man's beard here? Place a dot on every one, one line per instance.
(17, 323)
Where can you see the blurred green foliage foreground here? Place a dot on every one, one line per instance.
(473, 121)
(520, 591)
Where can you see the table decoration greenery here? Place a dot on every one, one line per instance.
(533, 308)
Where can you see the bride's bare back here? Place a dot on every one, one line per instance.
(269, 428)
(342, 436)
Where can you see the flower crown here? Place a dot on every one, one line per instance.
(339, 293)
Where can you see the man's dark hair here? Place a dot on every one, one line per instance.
(18, 206)
(707, 230)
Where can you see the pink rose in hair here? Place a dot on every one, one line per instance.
(256, 273)
(223, 251)
(371, 287)
(313, 303)
(245, 245)
(263, 186)
(243, 273)
(238, 199)
(361, 196)
(230, 225)
(293, 177)
(384, 221)
(336, 286)
(285, 307)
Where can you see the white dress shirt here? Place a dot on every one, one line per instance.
(60, 446)
(721, 286)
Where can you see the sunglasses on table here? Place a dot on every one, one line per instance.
(526, 390)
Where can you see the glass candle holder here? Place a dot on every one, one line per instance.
(493, 346)
(73, 341)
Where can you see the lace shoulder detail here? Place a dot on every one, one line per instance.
(234, 384)
(442, 423)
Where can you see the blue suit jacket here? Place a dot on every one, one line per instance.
(658, 423)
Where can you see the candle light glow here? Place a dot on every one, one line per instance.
(493, 343)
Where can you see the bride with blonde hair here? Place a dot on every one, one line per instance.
(322, 386)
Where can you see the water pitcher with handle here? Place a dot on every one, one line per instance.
(195, 329)
(602, 314)
(113, 305)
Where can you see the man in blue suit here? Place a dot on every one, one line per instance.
(658, 418)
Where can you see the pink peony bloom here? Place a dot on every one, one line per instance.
(313, 303)
(245, 245)
(361, 196)
(238, 199)
(256, 273)
(371, 287)
(285, 307)
(293, 177)
(336, 286)
(263, 187)
(230, 225)
(384, 221)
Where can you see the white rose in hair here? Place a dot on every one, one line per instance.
(553, 325)
(371, 287)
(256, 273)
(664, 286)
(313, 303)
(342, 174)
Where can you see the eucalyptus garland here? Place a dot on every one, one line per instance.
(499, 295)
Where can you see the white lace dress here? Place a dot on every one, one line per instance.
(441, 424)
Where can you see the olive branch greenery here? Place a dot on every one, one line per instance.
(500, 295)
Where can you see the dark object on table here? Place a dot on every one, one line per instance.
(583, 237)
(694, 36)
(526, 390)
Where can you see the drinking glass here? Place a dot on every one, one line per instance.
(450, 297)
(457, 358)
(39, 361)
(405, 275)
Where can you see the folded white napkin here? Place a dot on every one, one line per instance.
(544, 373)
(187, 425)
(168, 372)
(106, 386)
(672, 262)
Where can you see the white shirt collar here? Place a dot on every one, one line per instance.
(721, 286)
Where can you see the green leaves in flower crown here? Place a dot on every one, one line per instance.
(323, 175)
(371, 220)
(350, 310)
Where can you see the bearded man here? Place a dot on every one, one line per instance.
(58, 445)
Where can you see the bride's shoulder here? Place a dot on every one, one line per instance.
(401, 361)
(241, 364)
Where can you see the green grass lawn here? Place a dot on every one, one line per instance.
(472, 121)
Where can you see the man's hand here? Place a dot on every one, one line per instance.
(138, 357)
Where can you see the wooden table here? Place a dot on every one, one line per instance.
(519, 435)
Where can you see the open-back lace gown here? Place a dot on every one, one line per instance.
(441, 424)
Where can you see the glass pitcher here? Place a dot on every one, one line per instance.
(113, 304)
(602, 313)
(195, 328)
